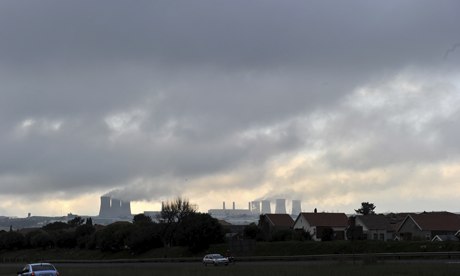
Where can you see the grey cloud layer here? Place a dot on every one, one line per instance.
(103, 94)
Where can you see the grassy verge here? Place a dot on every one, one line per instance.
(266, 269)
(260, 249)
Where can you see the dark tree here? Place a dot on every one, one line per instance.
(354, 232)
(83, 234)
(141, 219)
(144, 237)
(252, 231)
(171, 216)
(366, 209)
(39, 239)
(76, 221)
(114, 236)
(64, 238)
(197, 231)
(55, 226)
(301, 235)
(12, 240)
(176, 210)
(282, 235)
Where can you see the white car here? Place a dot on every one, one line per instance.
(215, 259)
(39, 269)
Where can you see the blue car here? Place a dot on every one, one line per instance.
(39, 269)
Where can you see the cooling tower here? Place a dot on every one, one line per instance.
(255, 207)
(266, 207)
(116, 211)
(296, 207)
(280, 206)
(125, 208)
(104, 211)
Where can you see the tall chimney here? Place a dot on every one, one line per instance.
(296, 207)
(280, 206)
(233, 205)
(223, 205)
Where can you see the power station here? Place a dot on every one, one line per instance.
(114, 208)
(296, 207)
(280, 206)
(254, 210)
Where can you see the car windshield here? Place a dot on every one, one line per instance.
(42, 267)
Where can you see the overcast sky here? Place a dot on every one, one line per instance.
(330, 102)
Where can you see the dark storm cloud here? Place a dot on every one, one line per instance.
(228, 33)
(102, 94)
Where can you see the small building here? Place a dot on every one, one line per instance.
(315, 223)
(272, 223)
(443, 238)
(375, 227)
(427, 225)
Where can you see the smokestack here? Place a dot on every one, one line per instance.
(266, 209)
(104, 211)
(223, 205)
(233, 205)
(280, 206)
(296, 207)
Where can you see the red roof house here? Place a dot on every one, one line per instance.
(426, 225)
(315, 223)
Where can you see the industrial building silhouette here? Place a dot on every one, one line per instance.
(254, 210)
(114, 208)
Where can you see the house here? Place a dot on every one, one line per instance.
(375, 227)
(427, 225)
(232, 230)
(316, 223)
(272, 223)
(441, 238)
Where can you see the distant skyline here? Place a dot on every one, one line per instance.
(330, 102)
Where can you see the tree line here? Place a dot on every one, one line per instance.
(179, 225)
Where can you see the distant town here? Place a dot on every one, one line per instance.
(365, 224)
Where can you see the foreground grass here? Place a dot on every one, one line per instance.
(291, 248)
(266, 269)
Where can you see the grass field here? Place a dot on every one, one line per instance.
(290, 248)
(266, 269)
